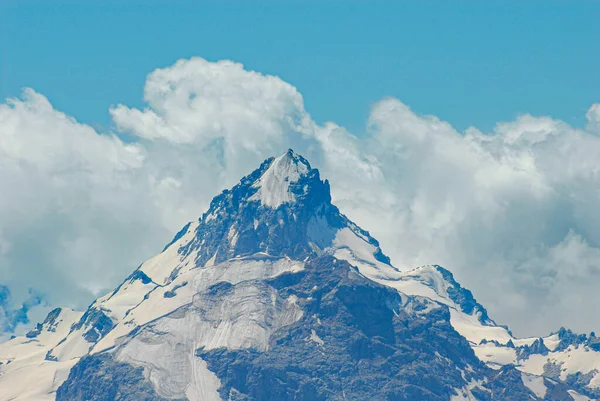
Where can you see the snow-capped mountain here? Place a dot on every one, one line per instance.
(273, 294)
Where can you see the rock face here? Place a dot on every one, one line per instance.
(273, 294)
(100, 378)
(356, 340)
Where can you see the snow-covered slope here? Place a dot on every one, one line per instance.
(274, 294)
(25, 374)
(274, 184)
(562, 356)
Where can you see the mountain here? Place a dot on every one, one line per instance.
(273, 294)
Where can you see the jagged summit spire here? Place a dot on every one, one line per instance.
(276, 209)
(286, 181)
(274, 183)
(282, 209)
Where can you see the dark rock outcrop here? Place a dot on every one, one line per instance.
(101, 378)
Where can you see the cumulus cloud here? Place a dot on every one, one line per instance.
(593, 117)
(512, 212)
(80, 209)
(68, 200)
(196, 101)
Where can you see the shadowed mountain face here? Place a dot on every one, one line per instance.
(275, 295)
(356, 340)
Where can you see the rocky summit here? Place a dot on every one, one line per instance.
(273, 294)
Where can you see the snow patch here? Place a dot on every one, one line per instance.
(578, 397)
(535, 384)
(351, 246)
(315, 338)
(28, 376)
(273, 185)
(128, 296)
(240, 317)
(465, 394)
(234, 271)
(495, 356)
(473, 330)
(572, 360)
(232, 236)
(160, 267)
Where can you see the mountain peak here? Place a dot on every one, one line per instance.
(274, 183)
(274, 280)
(281, 209)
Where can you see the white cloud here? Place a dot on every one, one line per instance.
(196, 101)
(593, 117)
(513, 212)
(62, 186)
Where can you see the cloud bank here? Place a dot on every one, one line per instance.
(513, 212)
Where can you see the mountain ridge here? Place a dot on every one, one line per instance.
(243, 284)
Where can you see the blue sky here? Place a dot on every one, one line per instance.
(472, 63)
